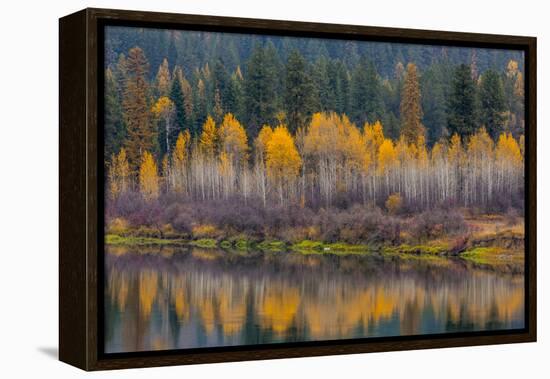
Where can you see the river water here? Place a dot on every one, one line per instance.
(175, 298)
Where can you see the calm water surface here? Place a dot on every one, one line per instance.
(166, 298)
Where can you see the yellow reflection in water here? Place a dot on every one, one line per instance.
(219, 300)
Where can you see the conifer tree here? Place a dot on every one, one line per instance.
(492, 112)
(141, 134)
(180, 117)
(260, 90)
(163, 79)
(115, 130)
(366, 101)
(298, 91)
(172, 51)
(462, 104)
(411, 110)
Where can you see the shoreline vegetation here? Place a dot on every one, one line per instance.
(491, 240)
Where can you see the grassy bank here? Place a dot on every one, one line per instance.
(487, 255)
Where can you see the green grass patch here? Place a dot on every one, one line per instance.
(242, 244)
(273, 245)
(493, 256)
(307, 245)
(415, 249)
(207, 243)
(226, 244)
(114, 239)
(339, 248)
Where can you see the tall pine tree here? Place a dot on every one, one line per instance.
(299, 87)
(114, 124)
(493, 107)
(176, 95)
(366, 100)
(260, 94)
(462, 103)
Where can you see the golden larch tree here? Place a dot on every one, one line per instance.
(141, 134)
(163, 79)
(411, 109)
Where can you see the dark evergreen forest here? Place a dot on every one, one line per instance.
(271, 79)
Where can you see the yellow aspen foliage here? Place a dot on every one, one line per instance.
(421, 152)
(282, 158)
(260, 144)
(321, 135)
(148, 177)
(233, 139)
(119, 173)
(114, 190)
(456, 153)
(162, 107)
(374, 135)
(403, 152)
(508, 150)
(387, 156)
(480, 145)
(208, 138)
(224, 164)
(180, 151)
(352, 147)
(394, 203)
(438, 152)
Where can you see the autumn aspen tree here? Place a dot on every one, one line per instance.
(148, 177)
(282, 160)
(164, 109)
(179, 160)
(119, 174)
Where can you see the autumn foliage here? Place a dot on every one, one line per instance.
(329, 163)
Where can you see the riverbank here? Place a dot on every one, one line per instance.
(490, 239)
(497, 249)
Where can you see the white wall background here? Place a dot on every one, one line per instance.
(29, 177)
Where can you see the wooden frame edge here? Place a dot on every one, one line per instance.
(78, 321)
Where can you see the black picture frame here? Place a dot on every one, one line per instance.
(81, 189)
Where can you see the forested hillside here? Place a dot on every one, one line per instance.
(271, 80)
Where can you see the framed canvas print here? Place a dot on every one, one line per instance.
(237, 189)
